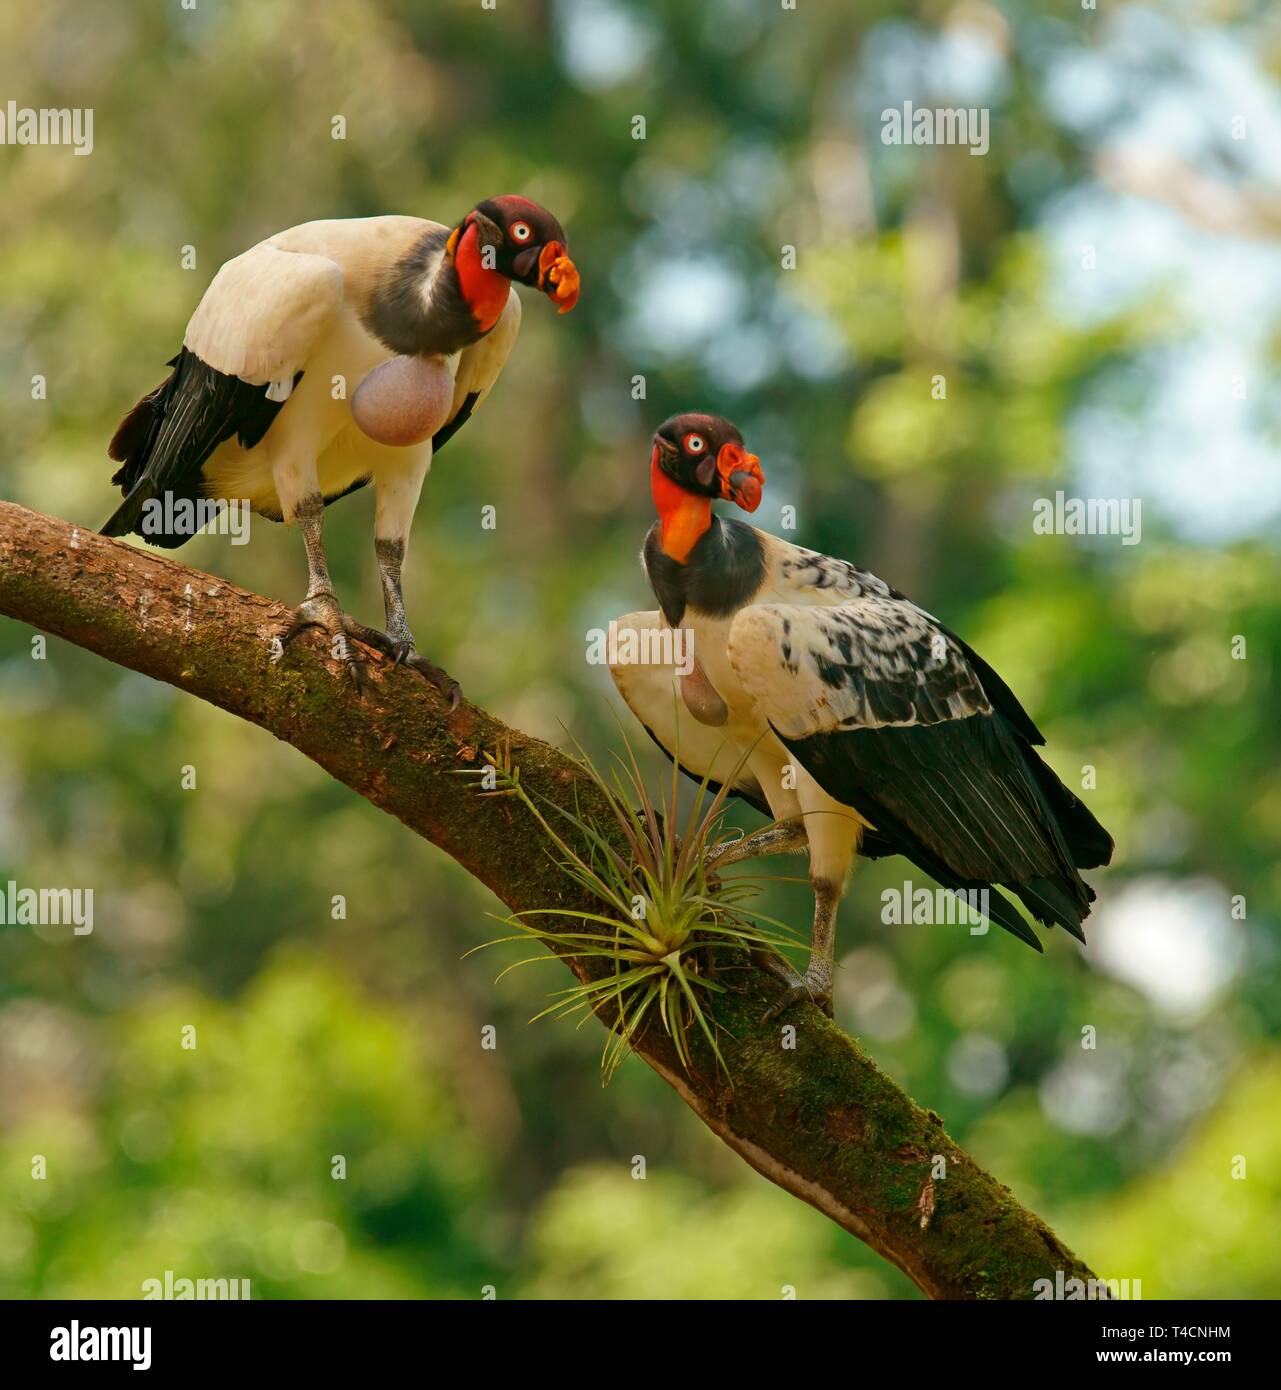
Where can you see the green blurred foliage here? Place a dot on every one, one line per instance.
(360, 1034)
(1201, 1227)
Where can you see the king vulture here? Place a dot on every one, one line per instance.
(336, 354)
(834, 703)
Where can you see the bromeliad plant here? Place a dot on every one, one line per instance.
(665, 921)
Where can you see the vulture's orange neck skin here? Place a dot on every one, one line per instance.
(683, 516)
(484, 289)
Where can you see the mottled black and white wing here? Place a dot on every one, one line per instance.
(887, 711)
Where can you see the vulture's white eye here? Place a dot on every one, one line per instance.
(695, 444)
(521, 231)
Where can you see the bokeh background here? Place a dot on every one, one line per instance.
(1102, 292)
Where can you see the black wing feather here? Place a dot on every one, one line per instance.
(1002, 697)
(1090, 843)
(447, 431)
(960, 800)
(896, 717)
(164, 441)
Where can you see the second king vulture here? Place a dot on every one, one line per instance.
(333, 355)
(850, 715)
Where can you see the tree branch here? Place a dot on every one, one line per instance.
(819, 1119)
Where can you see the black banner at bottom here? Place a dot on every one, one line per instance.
(159, 1338)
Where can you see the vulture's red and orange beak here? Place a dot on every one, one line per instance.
(558, 276)
(741, 476)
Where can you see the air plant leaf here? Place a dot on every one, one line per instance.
(660, 964)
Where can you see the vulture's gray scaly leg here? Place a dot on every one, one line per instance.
(398, 492)
(391, 556)
(815, 986)
(320, 607)
(311, 519)
(398, 642)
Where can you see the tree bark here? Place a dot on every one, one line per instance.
(817, 1118)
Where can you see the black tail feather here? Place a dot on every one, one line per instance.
(1048, 902)
(127, 515)
(165, 440)
(999, 908)
(135, 435)
(1090, 844)
(1003, 912)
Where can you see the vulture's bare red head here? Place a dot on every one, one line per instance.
(528, 244)
(695, 460)
(705, 455)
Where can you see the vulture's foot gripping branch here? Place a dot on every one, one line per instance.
(321, 609)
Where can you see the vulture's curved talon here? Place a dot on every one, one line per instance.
(441, 679)
(368, 636)
(402, 652)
